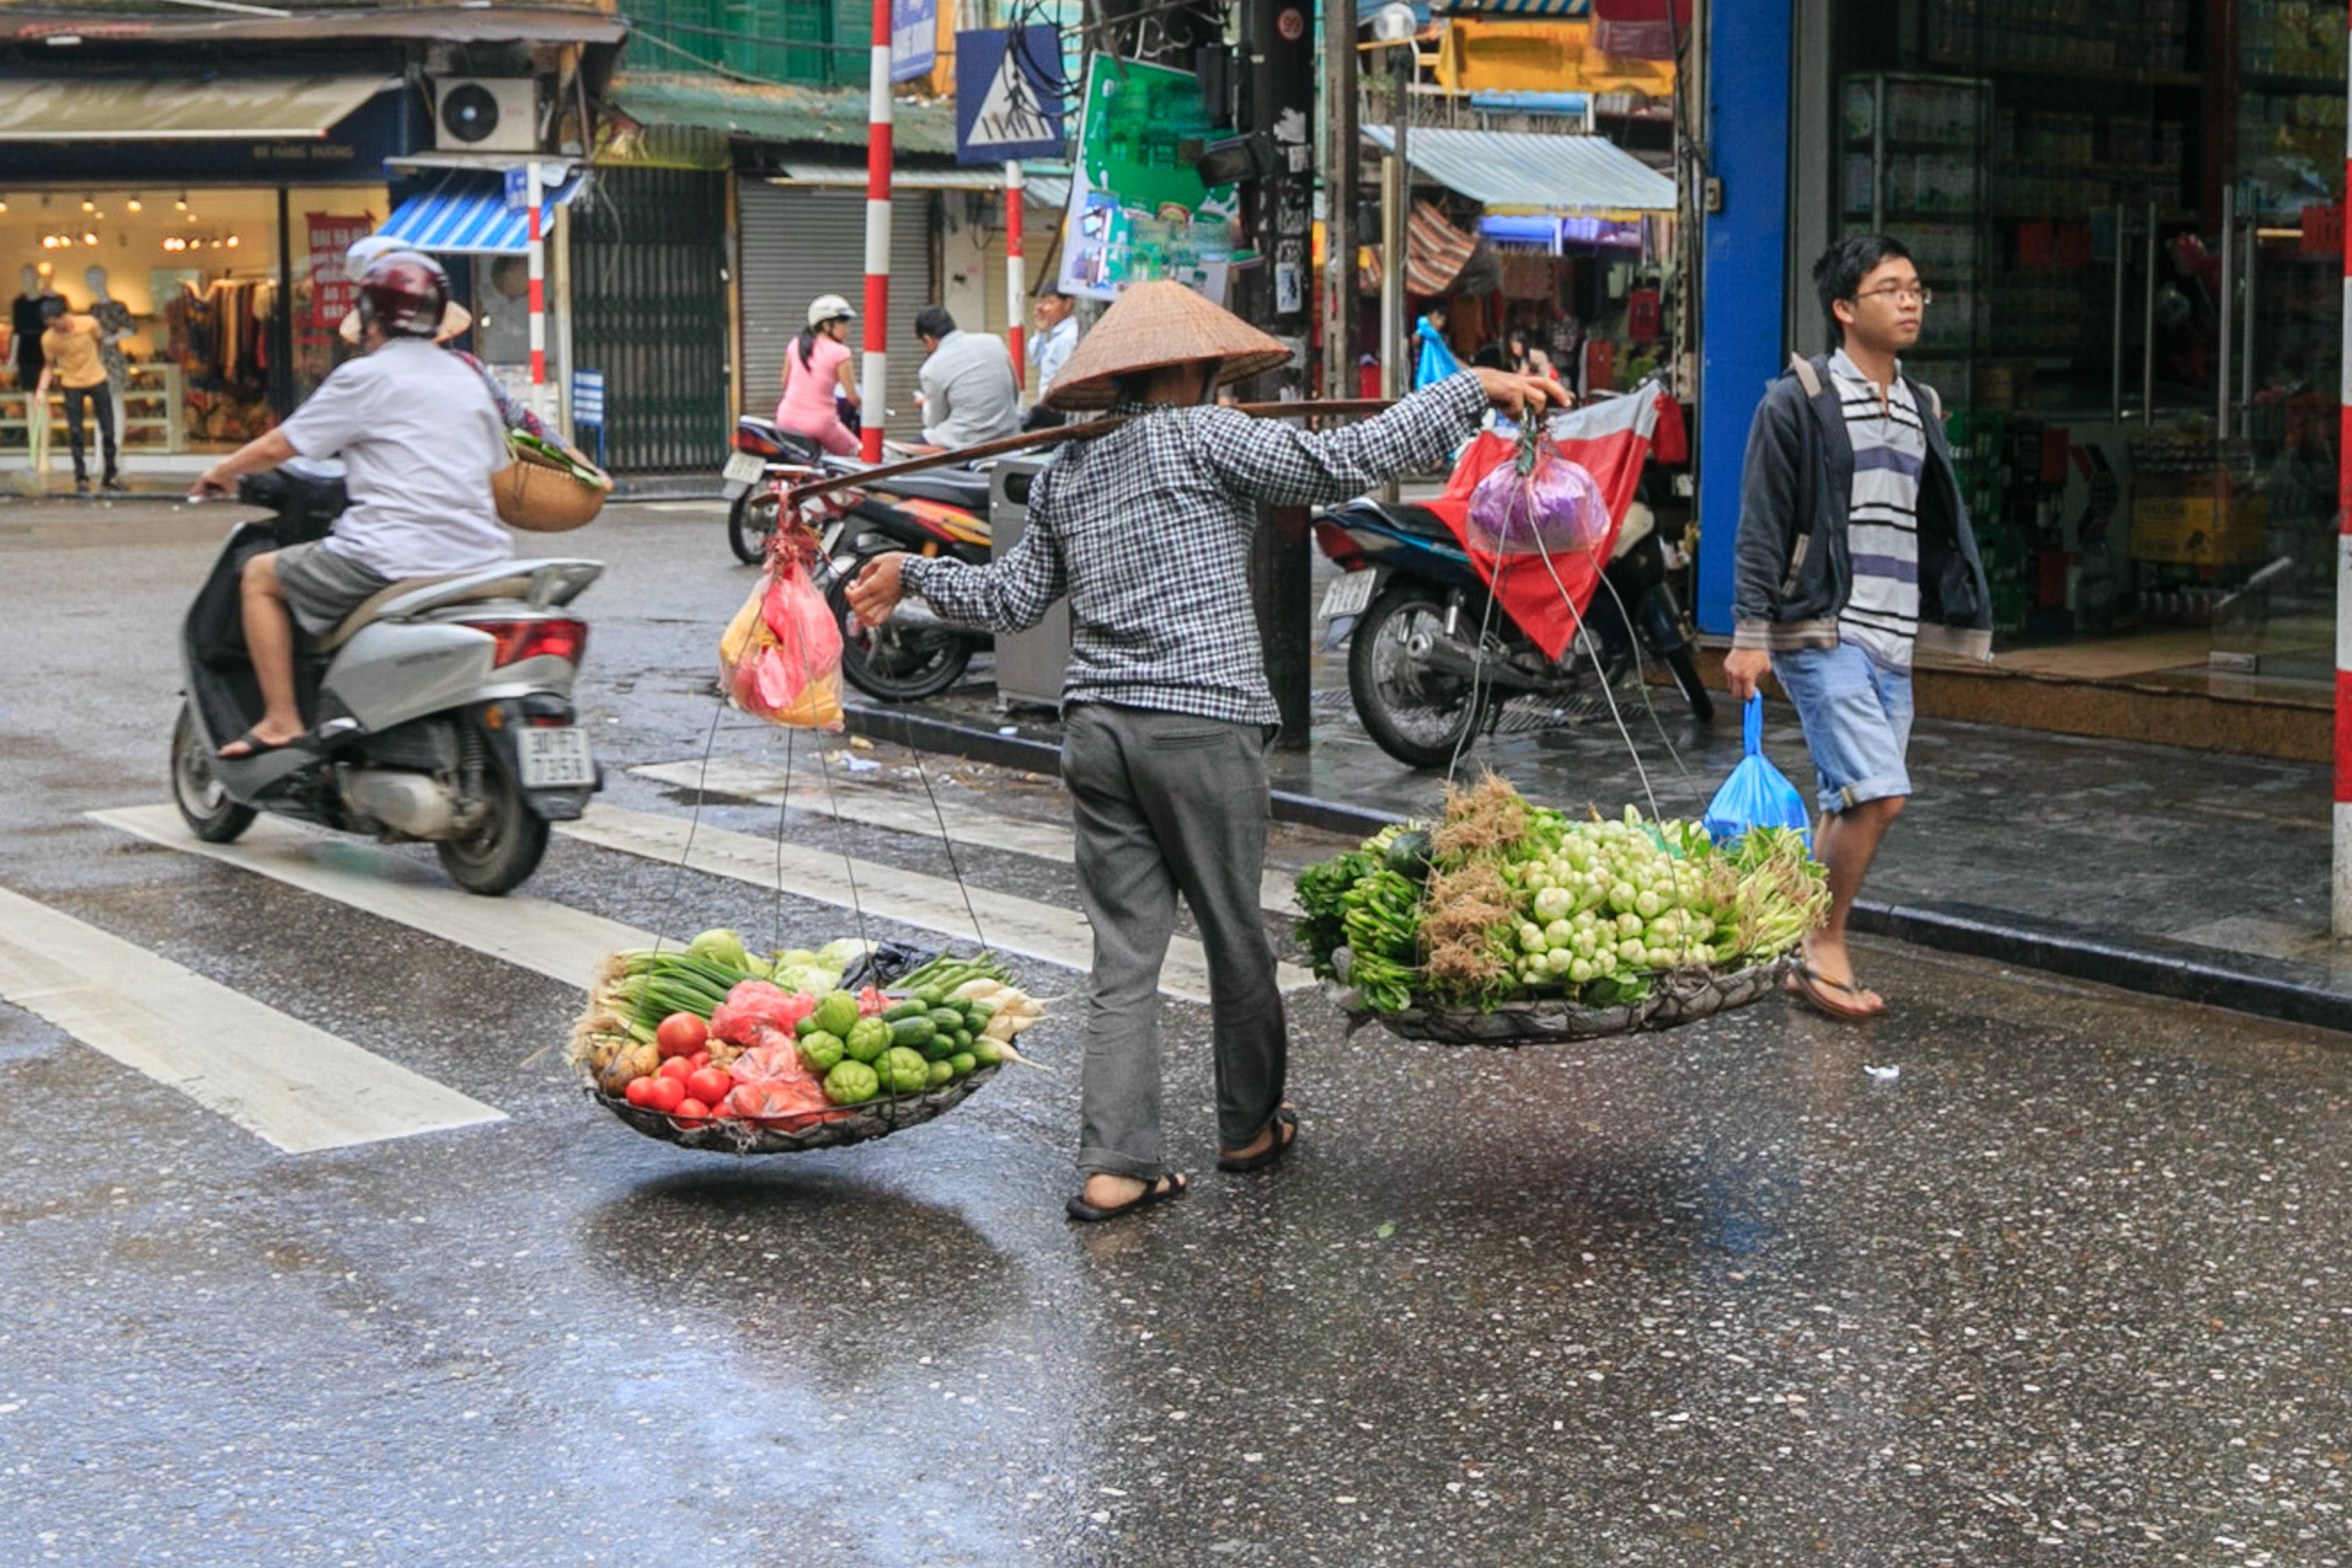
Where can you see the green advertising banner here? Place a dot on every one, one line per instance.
(1137, 210)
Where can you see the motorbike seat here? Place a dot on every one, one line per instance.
(967, 490)
(369, 607)
(1408, 518)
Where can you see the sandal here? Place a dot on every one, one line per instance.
(253, 747)
(1284, 1127)
(1810, 986)
(1166, 1189)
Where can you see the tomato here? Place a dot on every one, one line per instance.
(664, 1094)
(692, 1113)
(678, 1068)
(708, 1085)
(639, 1091)
(701, 1059)
(680, 1034)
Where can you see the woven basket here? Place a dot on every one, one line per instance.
(836, 1128)
(1685, 997)
(539, 499)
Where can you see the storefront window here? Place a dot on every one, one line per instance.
(324, 221)
(2131, 217)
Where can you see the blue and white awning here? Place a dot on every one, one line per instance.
(466, 213)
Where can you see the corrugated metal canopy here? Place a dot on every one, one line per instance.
(1040, 190)
(240, 109)
(1525, 172)
(760, 112)
(466, 213)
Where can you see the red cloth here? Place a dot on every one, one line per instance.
(1611, 439)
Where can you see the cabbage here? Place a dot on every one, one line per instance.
(1553, 508)
(841, 951)
(813, 978)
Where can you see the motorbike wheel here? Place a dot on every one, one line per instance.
(505, 850)
(893, 666)
(204, 804)
(1417, 715)
(751, 523)
(1695, 691)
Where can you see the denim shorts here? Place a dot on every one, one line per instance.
(1858, 717)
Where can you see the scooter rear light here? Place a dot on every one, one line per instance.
(1339, 546)
(521, 639)
(758, 445)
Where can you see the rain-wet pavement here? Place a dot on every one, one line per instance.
(2028, 1271)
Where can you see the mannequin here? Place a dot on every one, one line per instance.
(26, 325)
(114, 326)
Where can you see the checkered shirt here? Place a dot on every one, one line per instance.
(1148, 532)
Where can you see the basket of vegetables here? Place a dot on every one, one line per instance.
(1509, 924)
(711, 1047)
(548, 488)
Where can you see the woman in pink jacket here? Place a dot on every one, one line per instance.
(816, 370)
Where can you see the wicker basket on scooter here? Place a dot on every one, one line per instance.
(536, 495)
(1675, 999)
(836, 1128)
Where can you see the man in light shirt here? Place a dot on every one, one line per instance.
(1049, 349)
(969, 394)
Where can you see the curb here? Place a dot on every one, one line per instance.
(2149, 966)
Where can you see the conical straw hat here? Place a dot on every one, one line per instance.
(1154, 325)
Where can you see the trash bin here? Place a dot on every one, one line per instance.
(1029, 664)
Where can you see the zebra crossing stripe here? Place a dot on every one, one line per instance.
(295, 1086)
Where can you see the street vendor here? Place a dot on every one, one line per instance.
(1166, 711)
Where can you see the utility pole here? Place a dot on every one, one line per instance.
(1340, 199)
(1276, 48)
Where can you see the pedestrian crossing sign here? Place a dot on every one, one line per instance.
(1009, 99)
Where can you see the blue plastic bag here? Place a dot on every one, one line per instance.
(1757, 795)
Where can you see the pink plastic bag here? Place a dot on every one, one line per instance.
(1541, 504)
(780, 657)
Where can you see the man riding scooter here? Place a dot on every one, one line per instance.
(420, 439)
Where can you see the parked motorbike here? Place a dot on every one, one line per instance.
(439, 711)
(765, 461)
(915, 654)
(1415, 610)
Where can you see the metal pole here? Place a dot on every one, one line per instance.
(1341, 159)
(1017, 280)
(874, 381)
(1396, 186)
(538, 274)
(2340, 881)
(2148, 330)
(2229, 298)
(2246, 335)
(2116, 358)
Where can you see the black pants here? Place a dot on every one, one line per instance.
(100, 397)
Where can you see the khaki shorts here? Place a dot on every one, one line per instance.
(322, 588)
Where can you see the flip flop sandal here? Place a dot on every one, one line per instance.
(254, 747)
(1812, 988)
(1284, 1127)
(1166, 1189)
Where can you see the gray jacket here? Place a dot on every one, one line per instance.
(1792, 572)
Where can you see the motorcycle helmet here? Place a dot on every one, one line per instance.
(827, 308)
(404, 294)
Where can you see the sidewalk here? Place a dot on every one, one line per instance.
(2175, 872)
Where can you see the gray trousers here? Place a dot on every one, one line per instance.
(1167, 803)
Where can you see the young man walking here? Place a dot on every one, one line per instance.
(1854, 550)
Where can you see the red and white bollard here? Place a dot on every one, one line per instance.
(873, 382)
(537, 263)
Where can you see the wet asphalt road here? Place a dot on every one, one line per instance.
(2068, 1285)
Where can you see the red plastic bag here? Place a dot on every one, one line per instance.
(780, 657)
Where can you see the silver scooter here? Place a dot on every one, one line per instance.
(439, 711)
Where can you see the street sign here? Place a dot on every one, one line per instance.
(914, 38)
(1008, 98)
(587, 397)
(518, 188)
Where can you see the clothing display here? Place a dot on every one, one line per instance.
(114, 323)
(26, 325)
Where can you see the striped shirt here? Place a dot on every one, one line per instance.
(1890, 453)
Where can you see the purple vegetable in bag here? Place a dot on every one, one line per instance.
(1543, 502)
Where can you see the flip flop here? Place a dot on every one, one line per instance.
(1166, 1189)
(254, 747)
(1284, 1127)
(1812, 988)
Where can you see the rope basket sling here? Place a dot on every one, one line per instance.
(537, 495)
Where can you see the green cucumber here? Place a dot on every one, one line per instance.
(914, 1032)
(913, 1006)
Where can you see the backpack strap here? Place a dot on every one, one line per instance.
(1807, 377)
(1928, 395)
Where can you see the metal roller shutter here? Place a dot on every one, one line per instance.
(801, 241)
(649, 309)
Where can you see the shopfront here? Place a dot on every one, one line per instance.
(220, 252)
(2132, 221)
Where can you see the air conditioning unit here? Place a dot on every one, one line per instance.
(485, 114)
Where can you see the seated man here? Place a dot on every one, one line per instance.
(420, 439)
(969, 394)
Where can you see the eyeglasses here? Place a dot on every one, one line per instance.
(1897, 293)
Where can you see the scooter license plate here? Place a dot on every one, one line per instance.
(1349, 595)
(744, 468)
(556, 758)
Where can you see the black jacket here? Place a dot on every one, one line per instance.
(1793, 572)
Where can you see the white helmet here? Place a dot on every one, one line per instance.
(829, 307)
(365, 249)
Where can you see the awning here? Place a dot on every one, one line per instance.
(766, 112)
(1040, 190)
(142, 108)
(467, 215)
(1525, 172)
